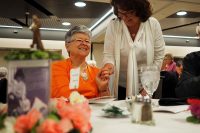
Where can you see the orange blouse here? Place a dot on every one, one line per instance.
(60, 80)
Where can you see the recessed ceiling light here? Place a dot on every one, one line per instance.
(80, 4)
(181, 13)
(66, 23)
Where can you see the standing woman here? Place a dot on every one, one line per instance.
(131, 40)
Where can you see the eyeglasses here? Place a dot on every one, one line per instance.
(88, 42)
(122, 14)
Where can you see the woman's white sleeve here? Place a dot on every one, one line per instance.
(109, 44)
(159, 44)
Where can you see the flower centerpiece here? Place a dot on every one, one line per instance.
(195, 111)
(71, 116)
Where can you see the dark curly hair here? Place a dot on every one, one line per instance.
(142, 8)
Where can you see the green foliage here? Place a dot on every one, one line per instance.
(33, 130)
(113, 111)
(32, 55)
(193, 119)
(54, 116)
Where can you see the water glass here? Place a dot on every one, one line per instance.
(149, 78)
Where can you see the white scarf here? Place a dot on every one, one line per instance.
(132, 71)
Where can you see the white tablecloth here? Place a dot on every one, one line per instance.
(165, 123)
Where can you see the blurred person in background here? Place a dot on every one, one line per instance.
(179, 68)
(3, 84)
(89, 82)
(168, 63)
(133, 39)
(189, 82)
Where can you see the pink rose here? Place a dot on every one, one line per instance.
(79, 114)
(25, 123)
(51, 126)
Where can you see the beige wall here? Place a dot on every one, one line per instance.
(98, 54)
(180, 51)
(2, 61)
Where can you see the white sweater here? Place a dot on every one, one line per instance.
(149, 34)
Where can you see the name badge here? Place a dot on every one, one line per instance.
(74, 78)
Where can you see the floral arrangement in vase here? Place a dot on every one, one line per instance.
(65, 116)
(195, 111)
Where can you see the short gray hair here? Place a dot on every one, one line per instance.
(77, 29)
(3, 71)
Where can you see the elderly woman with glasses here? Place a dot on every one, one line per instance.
(133, 39)
(74, 74)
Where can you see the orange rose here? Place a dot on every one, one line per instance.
(79, 114)
(25, 123)
(51, 126)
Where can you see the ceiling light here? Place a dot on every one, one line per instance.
(53, 29)
(14, 27)
(183, 37)
(181, 13)
(66, 23)
(80, 4)
(101, 19)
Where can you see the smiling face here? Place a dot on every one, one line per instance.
(128, 17)
(79, 45)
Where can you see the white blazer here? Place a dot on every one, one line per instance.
(149, 33)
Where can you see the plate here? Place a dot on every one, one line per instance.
(101, 100)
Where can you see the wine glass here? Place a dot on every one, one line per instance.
(149, 78)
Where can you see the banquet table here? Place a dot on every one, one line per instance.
(165, 122)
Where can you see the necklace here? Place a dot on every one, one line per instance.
(84, 74)
(83, 71)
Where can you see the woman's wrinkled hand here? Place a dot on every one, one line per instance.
(106, 71)
(102, 84)
(143, 92)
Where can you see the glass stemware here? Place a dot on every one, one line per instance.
(149, 78)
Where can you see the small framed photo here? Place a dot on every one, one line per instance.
(28, 86)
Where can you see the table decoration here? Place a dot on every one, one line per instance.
(195, 111)
(113, 111)
(72, 116)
